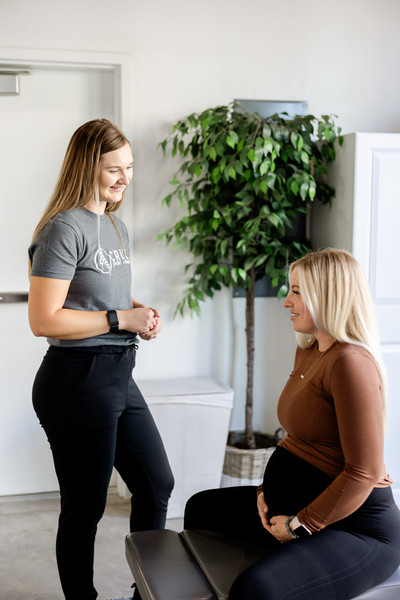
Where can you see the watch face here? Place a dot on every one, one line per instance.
(299, 529)
(302, 532)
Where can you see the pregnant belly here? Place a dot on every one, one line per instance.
(291, 483)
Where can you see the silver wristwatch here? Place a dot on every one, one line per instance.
(300, 530)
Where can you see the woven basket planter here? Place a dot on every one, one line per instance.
(243, 466)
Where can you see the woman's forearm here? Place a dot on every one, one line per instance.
(66, 324)
(48, 318)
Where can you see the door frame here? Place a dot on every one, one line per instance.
(119, 63)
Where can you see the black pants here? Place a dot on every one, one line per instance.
(95, 418)
(338, 563)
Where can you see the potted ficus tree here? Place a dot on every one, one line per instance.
(242, 183)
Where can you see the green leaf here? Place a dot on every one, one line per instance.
(304, 190)
(283, 291)
(249, 263)
(167, 200)
(199, 295)
(264, 167)
(192, 303)
(274, 219)
(212, 154)
(174, 180)
(163, 146)
(260, 260)
(224, 246)
(251, 155)
(263, 186)
(294, 187)
(270, 180)
(268, 146)
(219, 148)
(232, 139)
(304, 157)
(215, 174)
(327, 133)
(266, 130)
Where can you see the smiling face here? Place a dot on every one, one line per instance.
(115, 174)
(299, 313)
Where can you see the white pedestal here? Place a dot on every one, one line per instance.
(193, 416)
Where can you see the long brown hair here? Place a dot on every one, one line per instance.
(80, 170)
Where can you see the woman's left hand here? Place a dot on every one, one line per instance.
(276, 527)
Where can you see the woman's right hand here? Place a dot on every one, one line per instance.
(137, 320)
(263, 511)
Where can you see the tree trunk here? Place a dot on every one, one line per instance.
(250, 439)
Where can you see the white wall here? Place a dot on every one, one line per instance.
(340, 56)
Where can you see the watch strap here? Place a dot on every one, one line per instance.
(113, 320)
(292, 534)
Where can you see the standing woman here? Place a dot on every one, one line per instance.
(93, 413)
(325, 513)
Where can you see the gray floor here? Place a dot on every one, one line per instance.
(28, 568)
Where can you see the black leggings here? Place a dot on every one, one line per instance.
(338, 563)
(95, 418)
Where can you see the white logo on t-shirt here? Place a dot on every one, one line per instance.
(105, 261)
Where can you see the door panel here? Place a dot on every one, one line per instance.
(35, 127)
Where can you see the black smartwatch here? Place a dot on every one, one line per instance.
(113, 320)
(300, 530)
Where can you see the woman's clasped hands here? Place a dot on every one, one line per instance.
(274, 525)
(142, 320)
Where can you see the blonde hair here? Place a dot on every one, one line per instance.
(336, 293)
(79, 175)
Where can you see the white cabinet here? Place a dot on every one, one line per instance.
(364, 219)
(193, 416)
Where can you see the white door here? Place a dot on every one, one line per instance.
(363, 219)
(35, 127)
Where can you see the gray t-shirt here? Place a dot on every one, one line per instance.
(97, 264)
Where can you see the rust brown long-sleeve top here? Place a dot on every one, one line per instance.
(333, 419)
